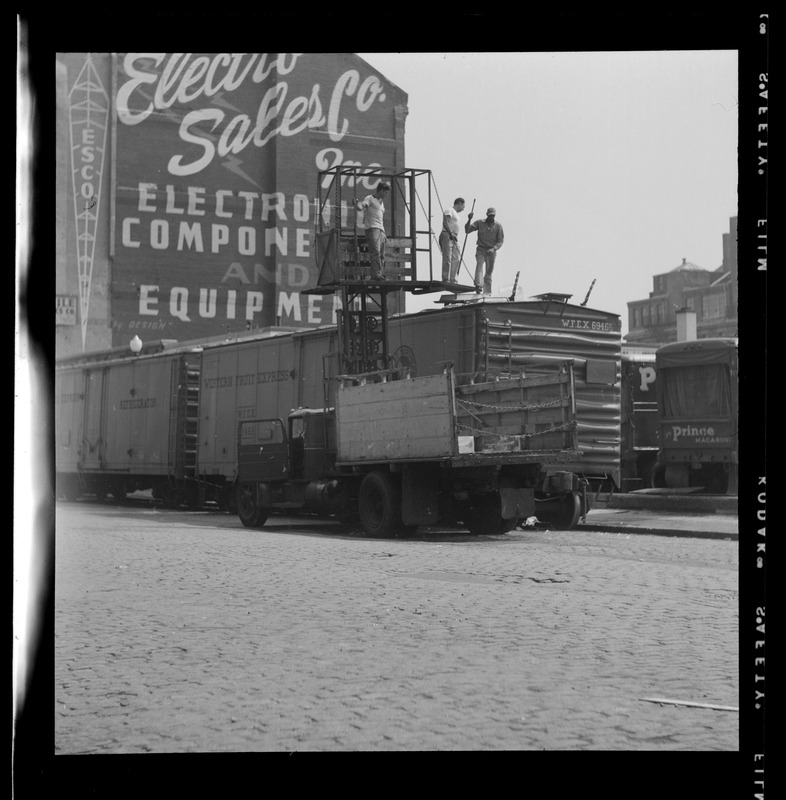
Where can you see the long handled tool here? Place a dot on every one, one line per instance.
(515, 286)
(589, 292)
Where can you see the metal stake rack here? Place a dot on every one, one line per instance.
(344, 266)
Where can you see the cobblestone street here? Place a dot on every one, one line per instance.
(185, 632)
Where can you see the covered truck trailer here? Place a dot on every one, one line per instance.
(698, 410)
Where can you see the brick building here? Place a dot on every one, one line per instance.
(710, 294)
(187, 185)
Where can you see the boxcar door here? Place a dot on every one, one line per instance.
(262, 451)
(93, 443)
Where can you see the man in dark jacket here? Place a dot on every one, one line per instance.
(490, 239)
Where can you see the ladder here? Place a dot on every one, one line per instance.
(184, 427)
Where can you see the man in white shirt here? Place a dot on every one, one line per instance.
(448, 241)
(374, 207)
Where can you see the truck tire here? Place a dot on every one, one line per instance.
(379, 505)
(251, 515)
(484, 518)
(658, 476)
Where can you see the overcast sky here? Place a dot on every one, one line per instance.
(606, 165)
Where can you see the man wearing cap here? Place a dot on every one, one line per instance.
(374, 207)
(490, 239)
(448, 241)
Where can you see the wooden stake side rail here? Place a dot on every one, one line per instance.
(423, 419)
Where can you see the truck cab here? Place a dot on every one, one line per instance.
(287, 464)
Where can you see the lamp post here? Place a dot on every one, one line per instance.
(135, 344)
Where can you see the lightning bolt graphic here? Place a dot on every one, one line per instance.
(219, 99)
(232, 163)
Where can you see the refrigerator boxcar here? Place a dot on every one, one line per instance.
(126, 424)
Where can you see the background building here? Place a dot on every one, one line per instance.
(187, 184)
(710, 294)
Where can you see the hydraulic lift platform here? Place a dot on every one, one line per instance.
(344, 264)
(414, 287)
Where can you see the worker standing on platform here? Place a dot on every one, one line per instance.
(490, 239)
(374, 207)
(448, 241)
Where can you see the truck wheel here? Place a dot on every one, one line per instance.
(677, 476)
(658, 476)
(484, 517)
(379, 505)
(251, 515)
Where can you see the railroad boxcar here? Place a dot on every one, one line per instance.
(698, 408)
(259, 377)
(127, 423)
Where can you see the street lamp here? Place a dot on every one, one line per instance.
(135, 344)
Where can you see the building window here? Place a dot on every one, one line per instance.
(713, 306)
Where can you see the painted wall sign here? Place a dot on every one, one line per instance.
(216, 164)
(65, 309)
(88, 125)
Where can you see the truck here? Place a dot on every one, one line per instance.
(698, 406)
(398, 453)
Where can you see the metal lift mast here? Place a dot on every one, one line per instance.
(344, 266)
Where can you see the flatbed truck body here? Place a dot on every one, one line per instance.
(402, 453)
